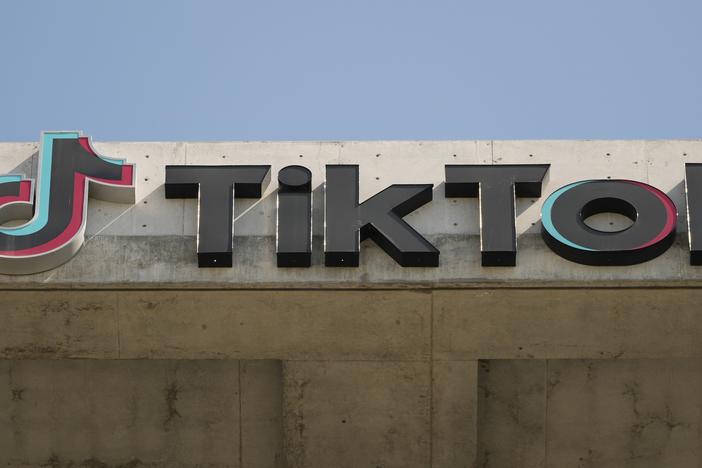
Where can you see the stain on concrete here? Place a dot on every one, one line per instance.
(149, 305)
(611, 354)
(55, 462)
(645, 420)
(296, 450)
(589, 460)
(301, 413)
(554, 378)
(171, 396)
(30, 350)
(590, 375)
(485, 459)
(133, 463)
(55, 307)
(633, 392)
(17, 393)
(90, 307)
(94, 463)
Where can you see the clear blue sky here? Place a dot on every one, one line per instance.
(339, 69)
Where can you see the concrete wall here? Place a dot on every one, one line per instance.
(352, 378)
(584, 413)
(129, 355)
(215, 413)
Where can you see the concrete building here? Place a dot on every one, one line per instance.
(129, 355)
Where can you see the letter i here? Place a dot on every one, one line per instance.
(294, 217)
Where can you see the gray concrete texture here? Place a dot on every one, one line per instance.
(215, 413)
(131, 356)
(152, 242)
(584, 413)
(317, 378)
(221, 413)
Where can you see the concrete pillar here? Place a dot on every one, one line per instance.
(454, 414)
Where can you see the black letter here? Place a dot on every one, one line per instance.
(497, 186)
(564, 230)
(380, 217)
(693, 194)
(294, 217)
(215, 187)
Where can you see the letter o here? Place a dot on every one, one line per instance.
(564, 212)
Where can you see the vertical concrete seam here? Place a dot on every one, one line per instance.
(241, 425)
(119, 331)
(645, 161)
(492, 151)
(431, 380)
(284, 442)
(546, 414)
(281, 457)
(475, 413)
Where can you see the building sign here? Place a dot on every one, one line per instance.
(69, 170)
(57, 204)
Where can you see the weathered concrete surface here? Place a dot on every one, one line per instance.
(122, 413)
(511, 414)
(370, 378)
(524, 413)
(581, 414)
(107, 413)
(353, 325)
(357, 414)
(567, 323)
(329, 325)
(168, 262)
(152, 243)
(454, 418)
(59, 324)
(261, 414)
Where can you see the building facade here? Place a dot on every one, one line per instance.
(130, 354)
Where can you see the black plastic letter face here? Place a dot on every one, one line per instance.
(347, 222)
(497, 186)
(294, 217)
(215, 187)
(564, 230)
(693, 193)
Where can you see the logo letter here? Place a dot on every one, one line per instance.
(693, 194)
(497, 186)
(564, 230)
(68, 169)
(347, 223)
(293, 242)
(215, 187)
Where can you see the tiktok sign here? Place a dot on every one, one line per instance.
(69, 171)
(347, 221)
